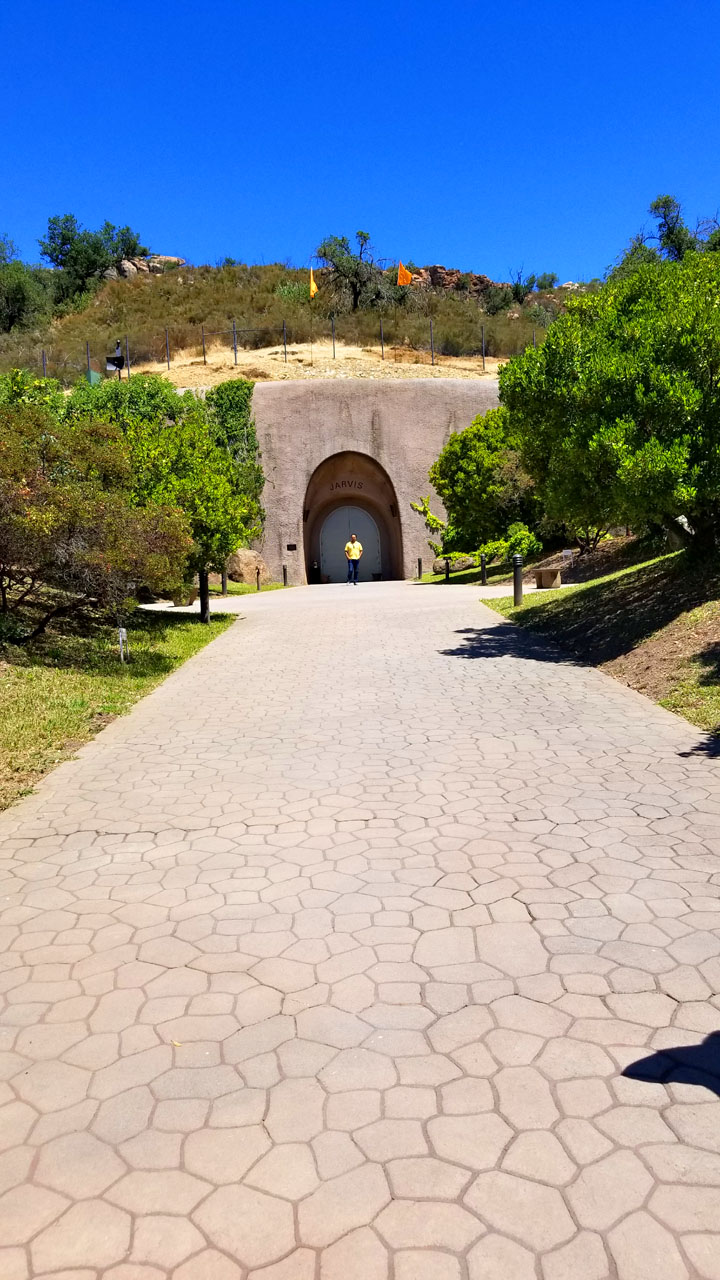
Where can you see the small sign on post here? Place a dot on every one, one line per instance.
(122, 638)
(115, 362)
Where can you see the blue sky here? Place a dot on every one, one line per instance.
(482, 136)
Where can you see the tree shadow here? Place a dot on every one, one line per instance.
(88, 642)
(697, 1064)
(612, 616)
(505, 640)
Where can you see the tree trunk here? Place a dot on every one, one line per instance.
(204, 577)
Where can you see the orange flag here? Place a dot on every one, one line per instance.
(404, 276)
(313, 286)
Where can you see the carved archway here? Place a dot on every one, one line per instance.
(355, 480)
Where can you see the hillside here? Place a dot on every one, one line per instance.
(259, 299)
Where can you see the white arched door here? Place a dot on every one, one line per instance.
(336, 531)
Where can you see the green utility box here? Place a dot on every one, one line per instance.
(93, 378)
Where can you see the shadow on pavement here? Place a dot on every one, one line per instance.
(505, 640)
(687, 1064)
(708, 746)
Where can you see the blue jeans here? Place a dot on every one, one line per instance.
(353, 570)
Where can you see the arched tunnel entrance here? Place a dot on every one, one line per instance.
(351, 493)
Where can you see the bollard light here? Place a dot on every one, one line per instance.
(517, 580)
(483, 568)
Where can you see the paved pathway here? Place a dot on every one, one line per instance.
(332, 960)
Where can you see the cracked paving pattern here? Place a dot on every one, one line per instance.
(327, 962)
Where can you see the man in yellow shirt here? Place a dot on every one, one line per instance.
(353, 552)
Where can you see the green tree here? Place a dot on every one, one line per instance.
(674, 237)
(353, 278)
(24, 296)
(81, 256)
(202, 458)
(481, 482)
(618, 413)
(546, 281)
(70, 533)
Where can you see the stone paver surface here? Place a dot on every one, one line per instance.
(376, 944)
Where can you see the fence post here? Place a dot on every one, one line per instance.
(332, 322)
(203, 344)
(382, 340)
(483, 568)
(534, 342)
(127, 356)
(285, 340)
(432, 344)
(517, 580)
(419, 566)
(235, 340)
(167, 347)
(44, 360)
(483, 346)
(87, 355)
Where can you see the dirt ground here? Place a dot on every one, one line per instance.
(265, 364)
(655, 666)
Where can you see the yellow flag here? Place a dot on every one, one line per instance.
(313, 286)
(404, 276)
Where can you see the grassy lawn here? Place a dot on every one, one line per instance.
(59, 692)
(655, 626)
(495, 573)
(244, 588)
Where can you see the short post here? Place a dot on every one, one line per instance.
(235, 340)
(284, 575)
(534, 342)
(285, 340)
(483, 346)
(44, 360)
(203, 344)
(483, 568)
(167, 347)
(127, 356)
(332, 322)
(257, 577)
(223, 583)
(382, 341)
(447, 570)
(432, 344)
(87, 355)
(517, 562)
(419, 566)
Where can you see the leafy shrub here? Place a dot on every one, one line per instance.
(521, 541)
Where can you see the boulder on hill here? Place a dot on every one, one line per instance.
(456, 566)
(154, 265)
(439, 277)
(243, 564)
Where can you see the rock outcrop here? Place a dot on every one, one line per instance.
(154, 265)
(243, 564)
(438, 277)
